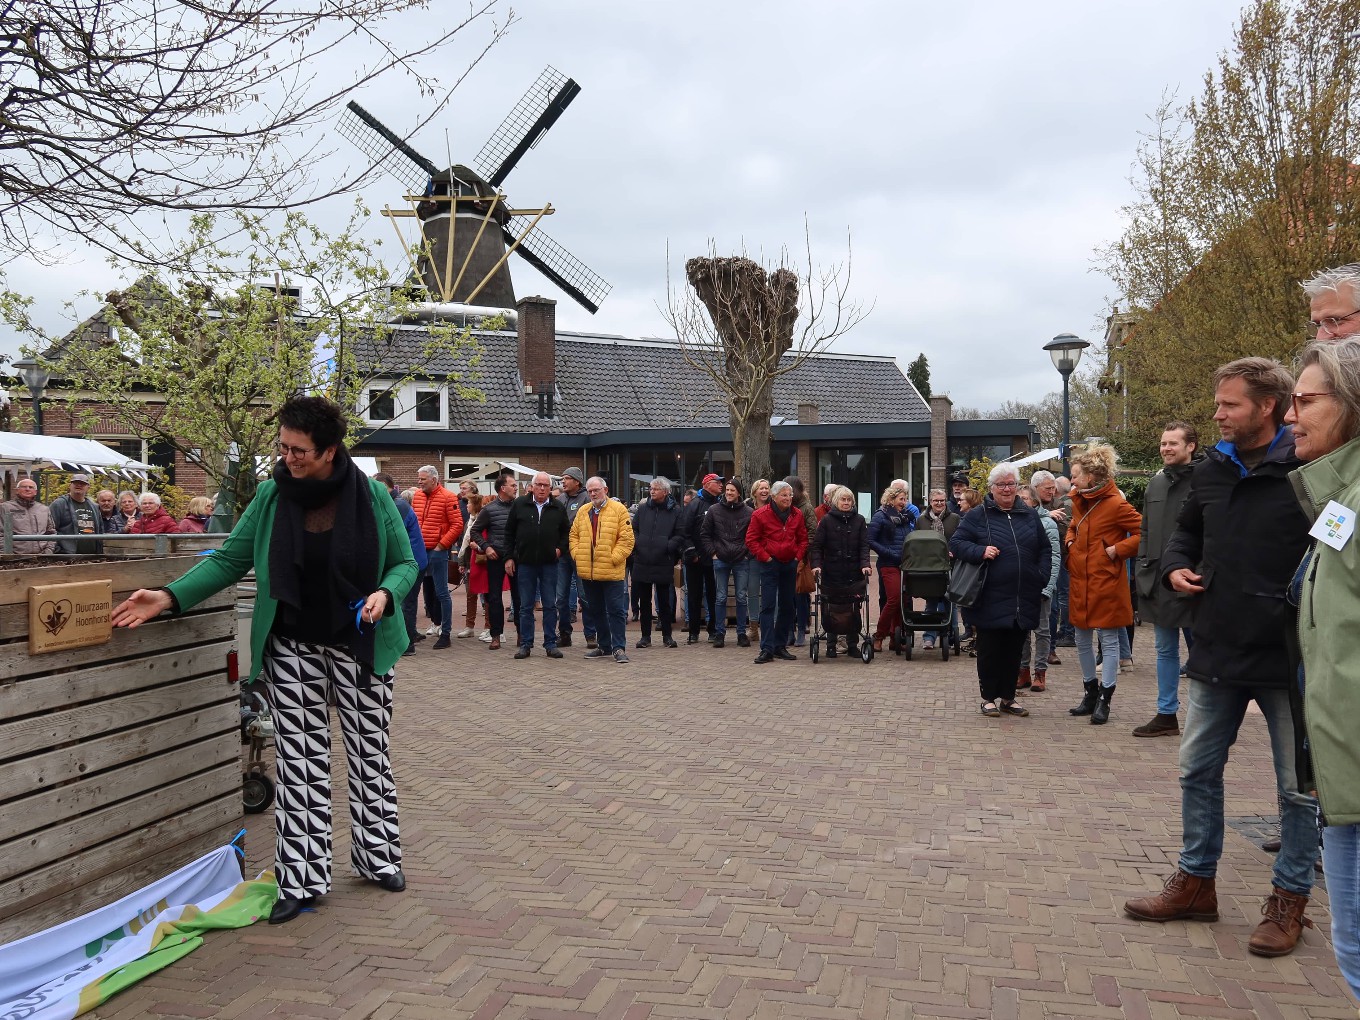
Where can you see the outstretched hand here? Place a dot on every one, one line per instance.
(142, 605)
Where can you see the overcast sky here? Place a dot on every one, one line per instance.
(976, 152)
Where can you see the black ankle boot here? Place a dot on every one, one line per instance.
(1101, 713)
(285, 909)
(1088, 701)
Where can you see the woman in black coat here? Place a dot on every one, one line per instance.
(839, 553)
(656, 549)
(1006, 535)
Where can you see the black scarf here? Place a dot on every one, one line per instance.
(354, 548)
(781, 513)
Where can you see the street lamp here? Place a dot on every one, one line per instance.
(1065, 350)
(36, 378)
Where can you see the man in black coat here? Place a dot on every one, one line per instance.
(657, 541)
(698, 567)
(1169, 612)
(1238, 540)
(535, 537)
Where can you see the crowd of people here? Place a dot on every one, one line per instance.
(75, 513)
(1242, 551)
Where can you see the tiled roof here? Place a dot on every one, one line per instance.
(606, 382)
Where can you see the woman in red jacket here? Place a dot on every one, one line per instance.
(1103, 533)
(152, 518)
(777, 537)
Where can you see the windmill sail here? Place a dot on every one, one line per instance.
(386, 149)
(563, 268)
(536, 111)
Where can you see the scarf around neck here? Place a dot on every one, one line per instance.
(353, 573)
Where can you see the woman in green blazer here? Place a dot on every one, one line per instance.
(332, 562)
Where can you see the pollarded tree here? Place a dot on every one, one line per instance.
(744, 325)
(110, 108)
(200, 353)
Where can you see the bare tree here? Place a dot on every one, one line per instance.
(108, 108)
(744, 325)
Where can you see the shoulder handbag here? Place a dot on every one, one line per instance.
(806, 583)
(966, 580)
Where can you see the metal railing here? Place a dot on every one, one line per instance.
(160, 545)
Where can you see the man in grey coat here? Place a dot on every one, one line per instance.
(1169, 612)
(28, 516)
(77, 514)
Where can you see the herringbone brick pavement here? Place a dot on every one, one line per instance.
(694, 836)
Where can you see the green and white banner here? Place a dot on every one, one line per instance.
(67, 970)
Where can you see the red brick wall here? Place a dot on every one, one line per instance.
(59, 420)
(941, 410)
(537, 340)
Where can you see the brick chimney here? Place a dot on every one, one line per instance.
(808, 413)
(537, 342)
(941, 410)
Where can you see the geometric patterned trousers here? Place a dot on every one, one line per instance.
(298, 676)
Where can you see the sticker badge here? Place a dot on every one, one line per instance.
(1334, 525)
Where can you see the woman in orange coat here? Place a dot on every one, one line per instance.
(1103, 533)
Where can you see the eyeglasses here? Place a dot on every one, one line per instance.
(1005, 485)
(1330, 323)
(293, 451)
(1298, 400)
(595, 492)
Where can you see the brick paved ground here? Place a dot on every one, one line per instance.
(692, 836)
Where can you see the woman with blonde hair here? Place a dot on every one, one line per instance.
(196, 517)
(890, 527)
(1102, 535)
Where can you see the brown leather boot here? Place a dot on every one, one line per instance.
(1184, 897)
(1279, 932)
(1022, 682)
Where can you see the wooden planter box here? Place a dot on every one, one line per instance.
(119, 762)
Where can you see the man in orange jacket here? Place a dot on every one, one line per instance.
(441, 525)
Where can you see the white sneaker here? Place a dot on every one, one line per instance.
(432, 630)
(466, 632)
(485, 636)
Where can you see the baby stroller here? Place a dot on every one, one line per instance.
(925, 575)
(843, 609)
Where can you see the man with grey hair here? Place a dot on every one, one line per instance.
(568, 594)
(1334, 302)
(535, 539)
(441, 525)
(1059, 507)
(778, 539)
(28, 516)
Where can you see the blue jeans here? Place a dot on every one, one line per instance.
(1059, 627)
(1341, 864)
(1125, 644)
(778, 588)
(409, 605)
(740, 573)
(439, 576)
(537, 581)
(1212, 720)
(1169, 667)
(1109, 654)
(566, 598)
(607, 603)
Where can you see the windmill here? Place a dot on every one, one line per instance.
(469, 229)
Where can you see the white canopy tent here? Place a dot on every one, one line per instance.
(20, 452)
(1042, 457)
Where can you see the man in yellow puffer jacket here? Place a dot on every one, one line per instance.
(601, 541)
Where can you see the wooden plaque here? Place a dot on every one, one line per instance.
(73, 615)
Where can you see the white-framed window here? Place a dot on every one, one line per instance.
(410, 405)
(428, 406)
